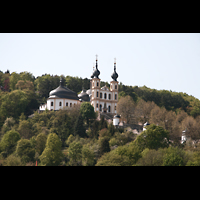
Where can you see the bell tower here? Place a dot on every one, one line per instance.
(95, 87)
(114, 88)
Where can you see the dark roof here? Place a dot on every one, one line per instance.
(114, 75)
(84, 96)
(96, 72)
(63, 92)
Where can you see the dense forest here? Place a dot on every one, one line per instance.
(76, 138)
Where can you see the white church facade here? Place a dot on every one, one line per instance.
(103, 99)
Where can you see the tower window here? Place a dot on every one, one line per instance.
(97, 84)
(52, 103)
(100, 107)
(60, 103)
(115, 87)
(109, 96)
(105, 96)
(97, 94)
(115, 96)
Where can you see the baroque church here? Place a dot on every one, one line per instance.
(102, 99)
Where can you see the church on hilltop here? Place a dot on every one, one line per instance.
(104, 100)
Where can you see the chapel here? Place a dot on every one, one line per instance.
(103, 99)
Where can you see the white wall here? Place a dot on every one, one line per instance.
(56, 103)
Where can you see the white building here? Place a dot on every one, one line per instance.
(103, 99)
(60, 97)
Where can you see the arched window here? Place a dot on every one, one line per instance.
(109, 96)
(97, 94)
(60, 103)
(108, 108)
(115, 87)
(100, 95)
(100, 107)
(115, 96)
(105, 96)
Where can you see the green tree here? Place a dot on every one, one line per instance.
(13, 160)
(75, 153)
(151, 157)
(104, 145)
(87, 111)
(174, 157)
(153, 138)
(87, 156)
(112, 158)
(13, 104)
(9, 141)
(79, 128)
(40, 143)
(8, 124)
(25, 151)
(52, 154)
(25, 129)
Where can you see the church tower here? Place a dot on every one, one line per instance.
(95, 87)
(114, 88)
(104, 99)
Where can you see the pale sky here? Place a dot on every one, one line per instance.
(169, 61)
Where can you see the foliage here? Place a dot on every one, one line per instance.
(75, 153)
(52, 154)
(87, 111)
(126, 108)
(25, 150)
(153, 138)
(13, 160)
(9, 141)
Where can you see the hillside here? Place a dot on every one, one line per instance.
(76, 137)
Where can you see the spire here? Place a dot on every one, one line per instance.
(114, 75)
(96, 71)
(96, 61)
(61, 81)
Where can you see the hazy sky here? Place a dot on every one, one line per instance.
(168, 61)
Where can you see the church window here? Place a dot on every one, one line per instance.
(67, 104)
(108, 108)
(97, 84)
(60, 103)
(105, 96)
(115, 96)
(97, 94)
(115, 87)
(100, 95)
(100, 107)
(52, 103)
(109, 96)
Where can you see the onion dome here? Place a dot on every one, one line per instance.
(96, 72)
(114, 75)
(116, 116)
(146, 124)
(84, 96)
(63, 92)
